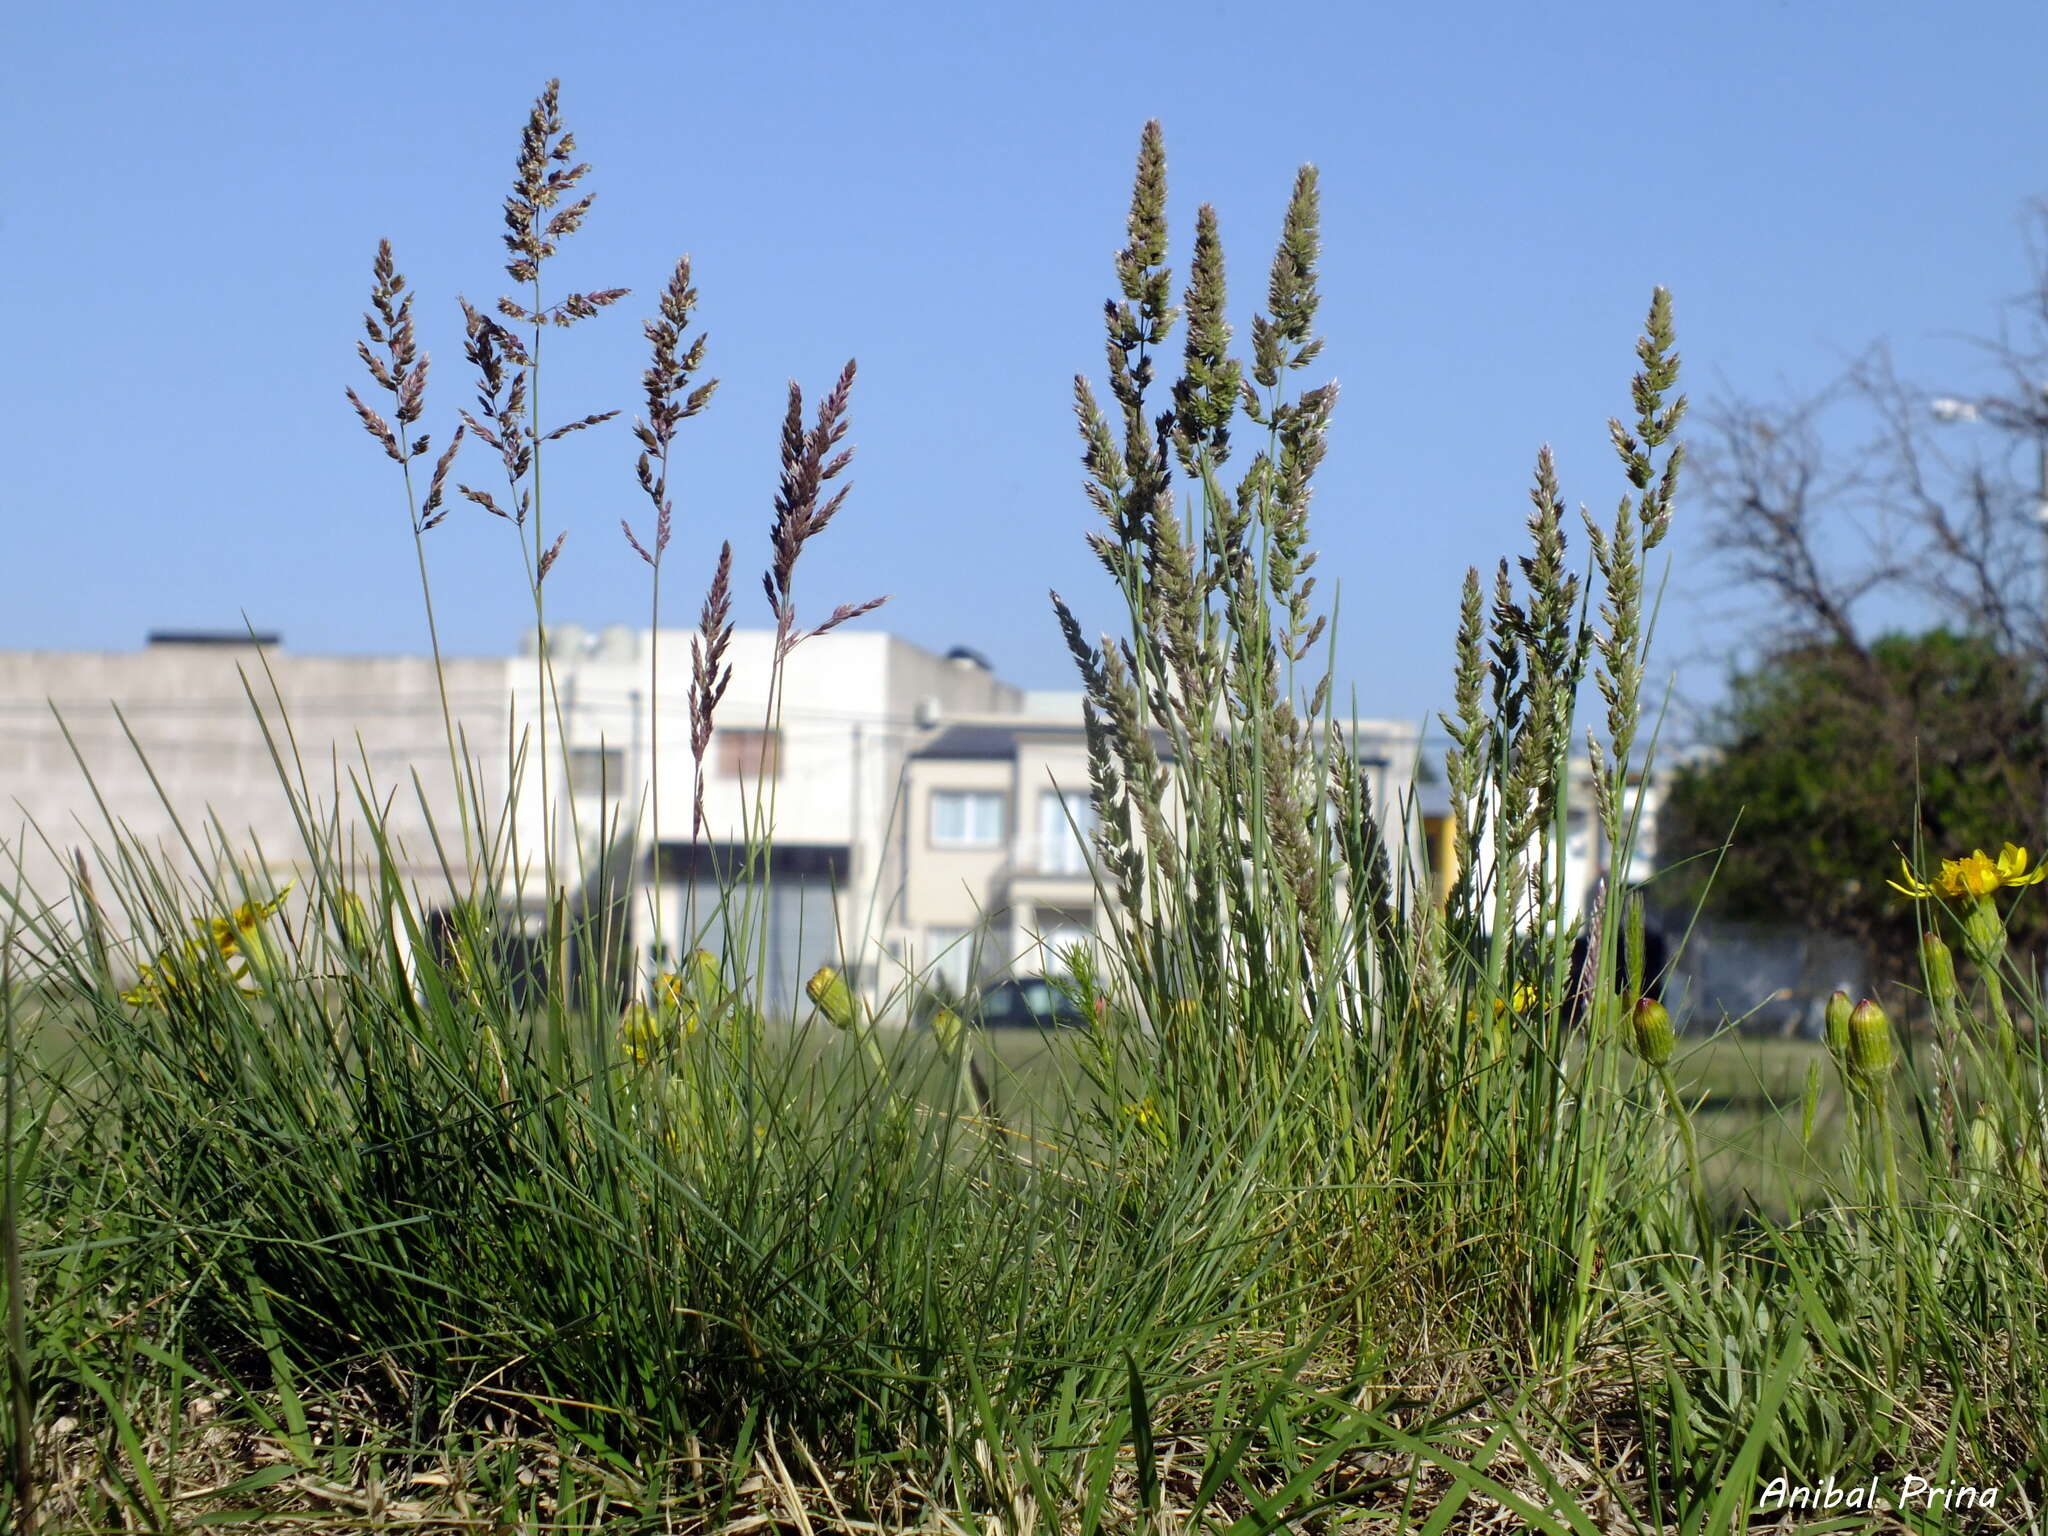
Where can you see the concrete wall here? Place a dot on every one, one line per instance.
(338, 720)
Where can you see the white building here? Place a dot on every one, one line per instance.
(1586, 856)
(925, 813)
(823, 761)
(1000, 821)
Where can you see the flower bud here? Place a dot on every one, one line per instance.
(946, 1029)
(829, 991)
(1940, 966)
(1984, 933)
(1870, 1043)
(1654, 1038)
(1837, 1023)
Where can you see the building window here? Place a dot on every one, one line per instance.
(1058, 932)
(749, 754)
(954, 959)
(596, 772)
(1066, 825)
(967, 818)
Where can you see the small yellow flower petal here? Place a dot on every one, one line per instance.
(1913, 886)
(2012, 867)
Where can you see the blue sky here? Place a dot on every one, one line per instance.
(938, 190)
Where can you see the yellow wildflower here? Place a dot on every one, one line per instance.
(671, 996)
(640, 1033)
(1143, 1111)
(229, 933)
(1973, 877)
(1520, 1002)
(695, 994)
(1523, 1000)
(153, 987)
(237, 936)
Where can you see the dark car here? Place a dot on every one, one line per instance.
(1027, 1002)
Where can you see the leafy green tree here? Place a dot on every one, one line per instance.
(1831, 757)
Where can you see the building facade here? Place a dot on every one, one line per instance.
(930, 821)
(205, 749)
(818, 750)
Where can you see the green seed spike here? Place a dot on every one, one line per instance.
(1638, 981)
